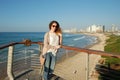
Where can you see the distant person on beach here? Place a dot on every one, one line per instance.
(52, 42)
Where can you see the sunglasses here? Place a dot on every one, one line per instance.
(53, 26)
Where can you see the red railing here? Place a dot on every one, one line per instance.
(88, 51)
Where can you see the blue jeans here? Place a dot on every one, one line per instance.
(49, 65)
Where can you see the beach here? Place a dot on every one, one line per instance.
(95, 58)
(75, 67)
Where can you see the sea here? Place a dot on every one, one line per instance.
(69, 39)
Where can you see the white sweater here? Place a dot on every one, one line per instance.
(54, 41)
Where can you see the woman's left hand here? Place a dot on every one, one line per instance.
(57, 47)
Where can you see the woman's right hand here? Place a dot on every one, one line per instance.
(57, 47)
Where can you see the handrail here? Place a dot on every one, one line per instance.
(10, 55)
(28, 43)
(15, 43)
(89, 51)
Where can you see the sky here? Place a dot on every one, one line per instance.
(35, 15)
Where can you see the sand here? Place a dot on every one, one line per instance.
(75, 68)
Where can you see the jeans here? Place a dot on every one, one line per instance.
(49, 65)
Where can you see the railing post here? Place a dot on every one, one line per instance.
(87, 66)
(40, 47)
(66, 52)
(10, 63)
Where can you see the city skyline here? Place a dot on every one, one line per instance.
(93, 28)
(35, 15)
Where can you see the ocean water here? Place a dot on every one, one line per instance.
(77, 40)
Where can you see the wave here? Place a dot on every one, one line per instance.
(71, 35)
(67, 35)
(95, 40)
(76, 39)
(71, 45)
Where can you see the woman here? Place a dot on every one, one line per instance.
(52, 42)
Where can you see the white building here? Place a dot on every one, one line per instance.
(72, 30)
(66, 31)
(88, 29)
(95, 28)
(114, 28)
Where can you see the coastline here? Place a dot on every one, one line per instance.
(92, 45)
(66, 72)
(101, 42)
(75, 64)
(101, 38)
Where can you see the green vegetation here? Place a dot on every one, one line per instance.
(111, 69)
(113, 46)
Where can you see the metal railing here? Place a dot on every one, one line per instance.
(16, 63)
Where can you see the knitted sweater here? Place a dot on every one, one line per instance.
(51, 40)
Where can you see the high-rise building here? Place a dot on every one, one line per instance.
(95, 28)
(103, 28)
(114, 28)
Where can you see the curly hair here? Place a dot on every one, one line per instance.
(58, 29)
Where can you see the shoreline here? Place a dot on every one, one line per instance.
(77, 62)
(99, 45)
(92, 45)
(71, 63)
(95, 35)
(101, 41)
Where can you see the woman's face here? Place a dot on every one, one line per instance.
(53, 27)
